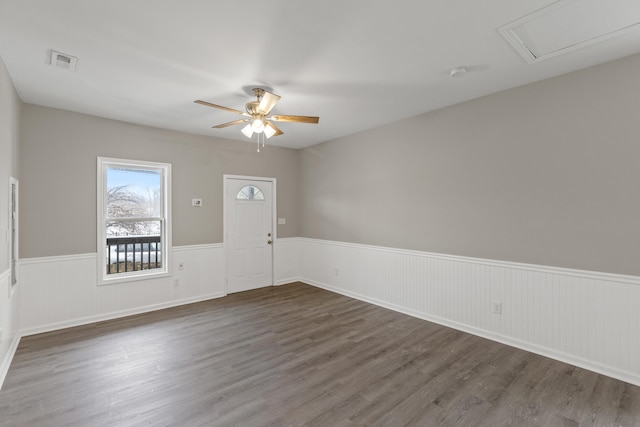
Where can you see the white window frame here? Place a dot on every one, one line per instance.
(106, 279)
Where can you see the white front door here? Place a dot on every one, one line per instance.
(248, 233)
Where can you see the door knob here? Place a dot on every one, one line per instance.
(269, 242)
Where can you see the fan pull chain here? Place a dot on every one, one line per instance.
(258, 141)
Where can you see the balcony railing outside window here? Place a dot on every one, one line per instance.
(133, 253)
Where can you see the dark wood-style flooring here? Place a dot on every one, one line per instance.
(296, 355)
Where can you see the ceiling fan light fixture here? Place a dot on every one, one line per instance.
(269, 130)
(257, 117)
(257, 126)
(247, 130)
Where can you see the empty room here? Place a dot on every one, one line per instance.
(332, 213)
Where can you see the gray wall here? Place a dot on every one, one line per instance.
(547, 173)
(58, 186)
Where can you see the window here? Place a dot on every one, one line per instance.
(134, 238)
(250, 192)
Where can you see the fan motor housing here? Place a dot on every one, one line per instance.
(252, 107)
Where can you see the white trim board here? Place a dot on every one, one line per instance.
(93, 255)
(47, 280)
(55, 286)
(586, 319)
(198, 247)
(62, 291)
(58, 258)
(543, 351)
(10, 336)
(586, 274)
(8, 358)
(116, 315)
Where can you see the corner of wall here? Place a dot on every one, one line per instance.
(10, 115)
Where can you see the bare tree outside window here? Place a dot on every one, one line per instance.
(126, 203)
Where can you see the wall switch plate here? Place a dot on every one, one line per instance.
(282, 221)
(196, 203)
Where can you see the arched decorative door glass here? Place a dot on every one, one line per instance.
(250, 192)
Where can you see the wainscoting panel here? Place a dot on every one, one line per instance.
(59, 292)
(587, 319)
(9, 336)
(286, 260)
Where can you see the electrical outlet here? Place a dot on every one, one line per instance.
(176, 283)
(336, 272)
(497, 307)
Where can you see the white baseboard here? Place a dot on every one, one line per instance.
(115, 315)
(579, 317)
(543, 351)
(62, 291)
(287, 281)
(6, 361)
(5, 274)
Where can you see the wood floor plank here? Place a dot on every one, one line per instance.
(296, 355)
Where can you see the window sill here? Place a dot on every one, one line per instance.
(133, 276)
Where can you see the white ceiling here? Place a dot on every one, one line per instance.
(357, 64)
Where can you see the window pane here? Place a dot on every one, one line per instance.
(133, 193)
(250, 192)
(125, 228)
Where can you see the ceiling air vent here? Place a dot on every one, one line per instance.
(62, 60)
(567, 25)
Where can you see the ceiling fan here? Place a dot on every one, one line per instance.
(257, 115)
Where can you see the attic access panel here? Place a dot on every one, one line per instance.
(567, 25)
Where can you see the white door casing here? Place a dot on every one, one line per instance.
(249, 232)
(13, 233)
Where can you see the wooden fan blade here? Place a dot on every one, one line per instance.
(208, 104)
(268, 101)
(296, 119)
(275, 128)
(235, 122)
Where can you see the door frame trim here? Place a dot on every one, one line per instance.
(225, 222)
(14, 241)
